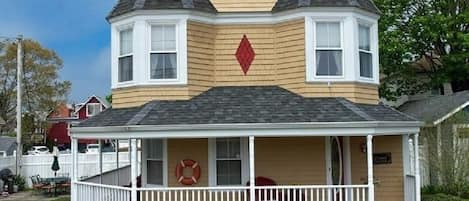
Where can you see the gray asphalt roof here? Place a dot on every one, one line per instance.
(435, 108)
(367, 5)
(256, 104)
(125, 6)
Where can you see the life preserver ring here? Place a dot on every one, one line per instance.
(189, 163)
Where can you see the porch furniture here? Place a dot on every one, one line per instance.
(54, 183)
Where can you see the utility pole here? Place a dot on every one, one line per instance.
(19, 72)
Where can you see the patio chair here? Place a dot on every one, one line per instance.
(37, 186)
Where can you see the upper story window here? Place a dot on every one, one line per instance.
(364, 48)
(328, 49)
(93, 109)
(163, 53)
(125, 71)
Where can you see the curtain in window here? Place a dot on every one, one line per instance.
(126, 37)
(163, 65)
(328, 49)
(329, 62)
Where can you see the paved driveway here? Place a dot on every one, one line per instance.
(33, 196)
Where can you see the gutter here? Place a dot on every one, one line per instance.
(246, 126)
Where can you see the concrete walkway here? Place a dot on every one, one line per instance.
(32, 196)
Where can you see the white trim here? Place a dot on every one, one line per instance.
(339, 20)
(328, 160)
(144, 163)
(212, 169)
(369, 158)
(245, 130)
(347, 161)
(88, 100)
(248, 17)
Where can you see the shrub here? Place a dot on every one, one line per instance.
(459, 189)
(20, 182)
(441, 197)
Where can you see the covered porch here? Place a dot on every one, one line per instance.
(314, 161)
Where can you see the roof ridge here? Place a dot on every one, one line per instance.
(355, 109)
(141, 114)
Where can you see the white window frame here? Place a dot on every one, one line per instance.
(121, 29)
(371, 52)
(212, 154)
(181, 52)
(163, 52)
(165, 164)
(310, 42)
(94, 104)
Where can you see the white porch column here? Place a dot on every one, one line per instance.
(417, 167)
(100, 159)
(252, 177)
(133, 167)
(117, 161)
(74, 175)
(369, 156)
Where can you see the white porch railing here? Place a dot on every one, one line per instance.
(93, 192)
(262, 193)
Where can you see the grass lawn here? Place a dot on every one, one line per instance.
(62, 199)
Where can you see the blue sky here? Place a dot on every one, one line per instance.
(76, 29)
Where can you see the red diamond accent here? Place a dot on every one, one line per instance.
(245, 54)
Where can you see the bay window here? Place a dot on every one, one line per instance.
(328, 49)
(163, 53)
(125, 70)
(364, 48)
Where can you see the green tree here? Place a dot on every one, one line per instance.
(42, 89)
(109, 98)
(429, 35)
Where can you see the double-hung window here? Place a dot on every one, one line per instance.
(125, 71)
(328, 49)
(364, 48)
(155, 161)
(93, 109)
(163, 53)
(228, 161)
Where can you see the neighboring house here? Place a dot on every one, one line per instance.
(251, 100)
(7, 146)
(2, 122)
(65, 116)
(446, 135)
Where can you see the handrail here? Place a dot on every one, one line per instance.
(247, 187)
(102, 185)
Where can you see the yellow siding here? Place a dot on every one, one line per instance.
(243, 5)
(227, 69)
(291, 161)
(200, 51)
(279, 60)
(389, 176)
(180, 149)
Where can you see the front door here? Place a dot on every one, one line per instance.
(335, 160)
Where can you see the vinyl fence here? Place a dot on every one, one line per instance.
(88, 164)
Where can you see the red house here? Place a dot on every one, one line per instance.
(66, 115)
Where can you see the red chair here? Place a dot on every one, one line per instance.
(268, 194)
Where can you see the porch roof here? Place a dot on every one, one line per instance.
(246, 105)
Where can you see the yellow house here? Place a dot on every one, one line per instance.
(243, 100)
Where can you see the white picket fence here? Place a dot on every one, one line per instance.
(88, 164)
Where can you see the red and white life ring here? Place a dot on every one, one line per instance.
(189, 163)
